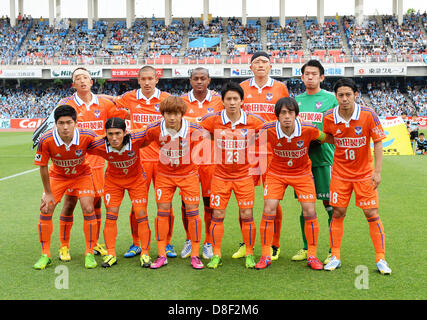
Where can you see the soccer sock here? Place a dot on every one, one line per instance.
(311, 228)
(249, 234)
(277, 226)
(329, 211)
(45, 232)
(376, 230)
(162, 228)
(110, 232)
(302, 224)
(185, 223)
(336, 232)
(98, 215)
(195, 229)
(208, 219)
(266, 231)
(65, 225)
(217, 232)
(89, 229)
(134, 228)
(171, 223)
(144, 234)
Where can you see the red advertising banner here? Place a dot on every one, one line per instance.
(421, 120)
(25, 123)
(131, 73)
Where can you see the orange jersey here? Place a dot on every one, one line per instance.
(232, 143)
(175, 155)
(124, 163)
(261, 101)
(352, 158)
(196, 110)
(68, 162)
(93, 117)
(290, 154)
(143, 111)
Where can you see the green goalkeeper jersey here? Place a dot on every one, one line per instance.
(311, 109)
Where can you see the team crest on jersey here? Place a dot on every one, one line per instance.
(318, 105)
(269, 96)
(131, 154)
(210, 110)
(300, 143)
(97, 113)
(244, 132)
(183, 143)
(358, 130)
(79, 152)
(157, 107)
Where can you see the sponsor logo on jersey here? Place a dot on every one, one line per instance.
(124, 164)
(92, 125)
(146, 118)
(290, 153)
(259, 107)
(69, 162)
(311, 116)
(230, 144)
(350, 142)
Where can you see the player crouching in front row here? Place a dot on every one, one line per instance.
(290, 166)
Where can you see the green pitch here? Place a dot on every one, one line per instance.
(402, 210)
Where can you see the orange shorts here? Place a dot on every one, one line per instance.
(98, 183)
(244, 192)
(275, 187)
(150, 168)
(166, 187)
(340, 193)
(79, 187)
(205, 176)
(115, 190)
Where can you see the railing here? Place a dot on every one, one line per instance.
(167, 60)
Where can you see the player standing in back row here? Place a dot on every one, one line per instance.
(261, 94)
(313, 103)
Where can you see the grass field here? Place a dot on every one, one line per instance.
(402, 209)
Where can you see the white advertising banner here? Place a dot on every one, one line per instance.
(184, 72)
(246, 72)
(380, 70)
(330, 71)
(66, 72)
(22, 73)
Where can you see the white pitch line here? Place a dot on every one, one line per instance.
(18, 174)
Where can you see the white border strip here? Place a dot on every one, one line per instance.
(18, 174)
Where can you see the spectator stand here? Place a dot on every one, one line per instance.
(242, 41)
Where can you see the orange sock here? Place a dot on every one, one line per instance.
(249, 234)
(45, 229)
(162, 228)
(376, 230)
(208, 219)
(311, 229)
(277, 226)
(144, 233)
(266, 231)
(65, 225)
(185, 223)
(134, 228)
(110, 232)
(98, 215)
(336, 232)
(217, 232)
(195, 229)
(89, 230)
(171, 223)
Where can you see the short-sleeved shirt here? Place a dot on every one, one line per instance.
(124, 163)
(290, 153)
(231, 143)
(143, 111)
(261, 101)
(352, 159)
(312, 108)
(93, 117)
(68, 161)
(175, 152)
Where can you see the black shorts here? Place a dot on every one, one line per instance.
(414, 134)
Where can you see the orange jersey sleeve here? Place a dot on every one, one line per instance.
(352, 158)
(261, 101)
(68, 162)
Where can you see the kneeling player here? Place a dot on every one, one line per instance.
(66, 146)
(289, 139)
(232, 129)
(176, 138)
(124, 172)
